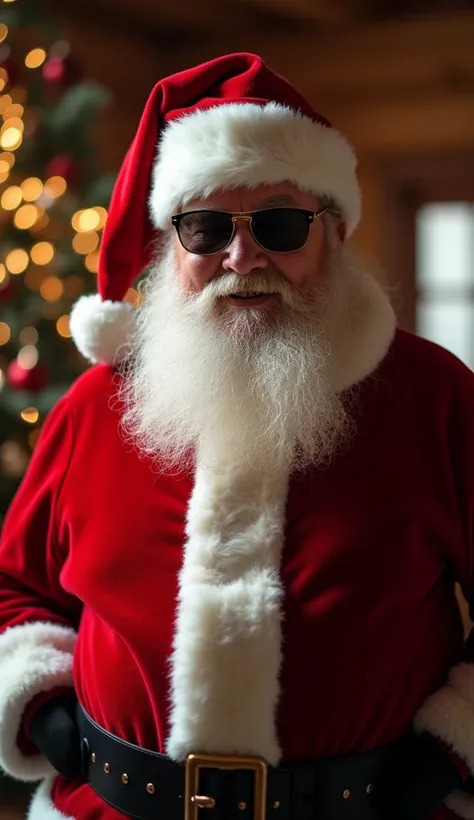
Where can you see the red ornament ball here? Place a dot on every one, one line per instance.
(19, 378)
(63, 166)
(61, 72)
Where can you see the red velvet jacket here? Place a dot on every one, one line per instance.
(373, 547)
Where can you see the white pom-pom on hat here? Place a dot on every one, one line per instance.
(101, 330)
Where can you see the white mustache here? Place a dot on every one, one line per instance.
(259, 282)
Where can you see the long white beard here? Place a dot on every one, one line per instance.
(232, 384)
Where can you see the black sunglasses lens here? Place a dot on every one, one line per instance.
(281, 230)
(205, 232)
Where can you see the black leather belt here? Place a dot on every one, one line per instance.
(149, 786)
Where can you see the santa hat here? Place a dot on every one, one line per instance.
(231, 122)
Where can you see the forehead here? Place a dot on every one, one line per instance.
(283, 194)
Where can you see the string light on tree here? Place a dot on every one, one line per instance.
(46, 178)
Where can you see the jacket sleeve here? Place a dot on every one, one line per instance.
(38, 618)
(448, 714)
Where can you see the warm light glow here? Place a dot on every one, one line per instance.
(11, 198)
(3, 78)
(55, 186)
(30, 415)
(31, 189)
(88, 220)
(41, 223)
(102, 216)
(132, 296)
(35, 58)
(3, 273)
(4, 167)
(17, 261)
(51, 289)
(13, 110)
(2, 379)
(29, 336)
(9, 1)
(8, 158)
(4, 175)
(12, 122)
(25, 217)
(85, 242)
(5, 99)
(11, 139)
(62, 326)
(28, 357)
(3, 32)
(92, 261)
(5, 333)
(42, 253)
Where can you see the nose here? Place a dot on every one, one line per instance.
(243, 255)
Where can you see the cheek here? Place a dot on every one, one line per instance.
(196, 271)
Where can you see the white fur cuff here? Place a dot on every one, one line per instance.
(34, 658)
(449, 715)
(42, 807)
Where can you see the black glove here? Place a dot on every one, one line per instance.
(431, 778)
(54, 732)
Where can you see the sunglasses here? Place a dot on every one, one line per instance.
(278, 230)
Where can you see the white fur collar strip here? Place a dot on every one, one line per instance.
(227, 644)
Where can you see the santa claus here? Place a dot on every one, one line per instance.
(227, 580)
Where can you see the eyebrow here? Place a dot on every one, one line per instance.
(282, 201)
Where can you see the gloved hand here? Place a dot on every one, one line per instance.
(54, 732)
(431, 778)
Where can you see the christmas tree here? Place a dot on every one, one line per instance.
(53, 200)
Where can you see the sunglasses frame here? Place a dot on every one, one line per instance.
(247, 216)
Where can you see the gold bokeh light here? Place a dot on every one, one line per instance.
(55, 187)
(30, 415)
(11, 198)
(92, 261)
(26, 217)
(51, 289)
(5, 333)
(3, 32)
(31, 189)
(62, 326)
(11, 139)
(87, 220)
(17, 261)
(42, 253)
(35, 58)
(84, 243)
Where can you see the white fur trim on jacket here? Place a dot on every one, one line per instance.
(449, 715)
(226, 659)
(42, 806)
(34, 658)
(247, 145)
(100, 329)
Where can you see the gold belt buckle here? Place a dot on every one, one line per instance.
(195, 762)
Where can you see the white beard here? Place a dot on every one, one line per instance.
(232, 383)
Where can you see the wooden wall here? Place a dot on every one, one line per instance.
(402, 92)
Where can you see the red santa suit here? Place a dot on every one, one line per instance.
(293, 617)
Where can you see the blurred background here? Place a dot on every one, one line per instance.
(395, 76)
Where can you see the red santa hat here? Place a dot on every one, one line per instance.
(231, 122)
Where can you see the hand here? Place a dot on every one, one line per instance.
(54, 732)
(432, 777)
